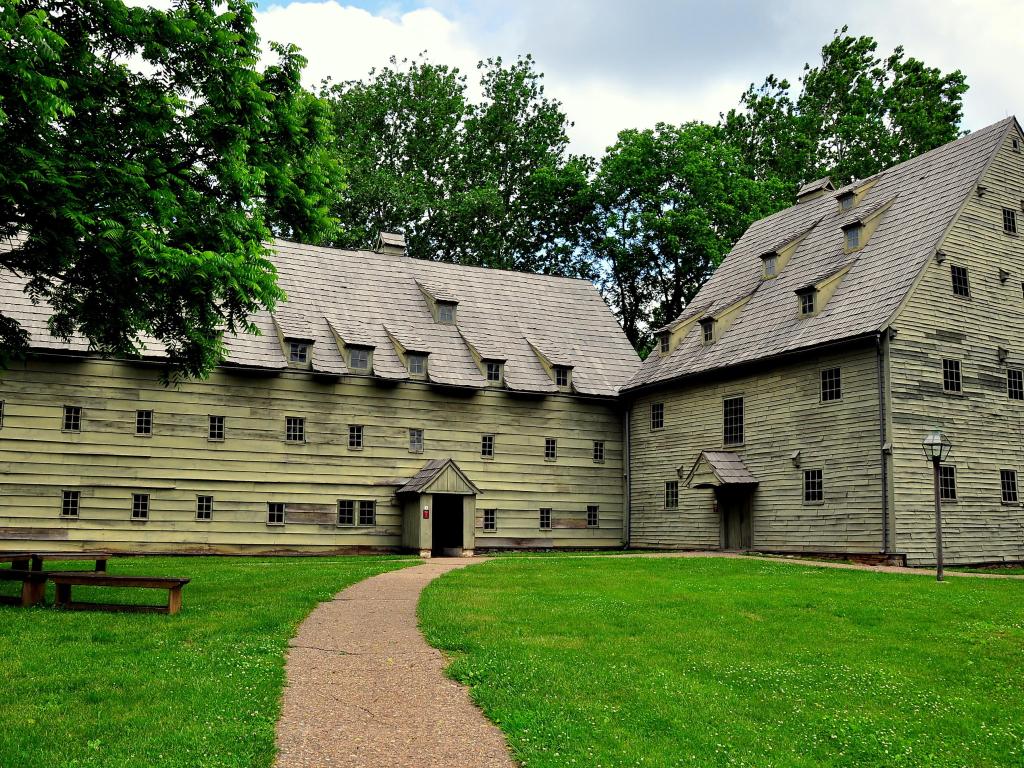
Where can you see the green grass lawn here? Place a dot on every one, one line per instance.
(998, 570)
(195, 690)
(671, 662)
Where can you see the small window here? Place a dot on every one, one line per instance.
(487, 446)
(295, 429)
(1015, 144)
(664, 341)
(355, 436)
(446, 313)
(493, 371)
(1010, 221)
(2, 414)
(359, 359)
(72, 418)
(961, 281)
(831, 385)
(947, 482)
(1008, 482)
(140, 506)
(657, 415)
(416, 441)
(217, 430)
(846, 201)
(561, 376)
(70, 503)
(545, 518)
(550, 449)
(598, 451)
(1015, 384)
(593, 516)
(707, 331)
(952, 381)
(204, 507)
(275, 513)
(346, 512)
(417, 365)
(853, 238)
(807, 303)
(671, 494)
(770, 265)
(814, 486)
(490, 519)
(732, 409)
(298, 352)
(367, 513)
(143, 422)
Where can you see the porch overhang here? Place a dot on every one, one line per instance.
(442, 476)
(718, 469)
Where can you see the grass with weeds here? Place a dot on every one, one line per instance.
(718, 662)
(197, 690)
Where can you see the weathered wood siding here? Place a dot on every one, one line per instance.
(986, 427)
(254, 465)
(783, 413)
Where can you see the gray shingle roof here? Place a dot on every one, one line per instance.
(727, 466)
(429, 472)
(338, 297)
(926, 194)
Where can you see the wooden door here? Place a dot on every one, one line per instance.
(735, 508)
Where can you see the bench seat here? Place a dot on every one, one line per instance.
(64, 580)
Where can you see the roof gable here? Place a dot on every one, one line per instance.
(440, 476)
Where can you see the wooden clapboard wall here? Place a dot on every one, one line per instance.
(986, 427)
(254, 465)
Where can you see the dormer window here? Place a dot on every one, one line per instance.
(562, 376)
(846, 201)
(663, 342)
(359, 358)
(417, 364)
(493, 371)
(446, 312)
(853, 238)
(771, 265)
(298, 352)
(807, 302)
(707, 326)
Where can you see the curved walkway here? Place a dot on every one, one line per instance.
(364, 688)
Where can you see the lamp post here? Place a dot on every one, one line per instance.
(936, 448)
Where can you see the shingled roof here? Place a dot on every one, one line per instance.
(339, 298)
(925, 193)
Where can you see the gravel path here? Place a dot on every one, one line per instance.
(364, 688)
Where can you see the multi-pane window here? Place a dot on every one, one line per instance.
(831, 385)
(707, 331)
(561, 376)
(814, 486)
(446, 313)
(417, 364)
(143, 422)
(493, 371)
(599, 451)
(947, 482)
(275, 513)
(770, 265)
(346, 512)
(1008, 483)
(1015, 384)
(355, 436)
(545, 518)
(550, 448)
(204, 507)
(853, 238)
(416, 440)
(70, 503)
(298, 352)
(490, 519)
(217, 430)
(295, 429)
(846, 201)
(807, 303)
(961, 280)
(664, 341)
(593, 516)
(367, 513)
(671, 494)
(72, 418)
(2, 414)
(952, 381)
(732, 409)
(140, 506)
(1010, 221)
(487, 446)
(657, 415)
(359, 359)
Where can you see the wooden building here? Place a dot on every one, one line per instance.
(390, 402)
(784, 409)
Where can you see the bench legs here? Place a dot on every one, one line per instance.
(173, 600)
(62, 599)
(63, 595)
(32, 592)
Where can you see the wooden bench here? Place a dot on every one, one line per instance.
(33, 586)
(67, 579)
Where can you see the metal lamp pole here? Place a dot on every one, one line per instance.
(937, 448)
(938, 521)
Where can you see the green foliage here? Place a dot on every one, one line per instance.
(486, 183)
(855, 114)
(669, 204)
(202, 688)
(147, 162)
(716, 662)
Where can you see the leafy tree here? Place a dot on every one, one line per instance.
(855, 114)
(147, 160)
(670, 202)
(487, 182)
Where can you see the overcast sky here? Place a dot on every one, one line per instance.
(627, 64)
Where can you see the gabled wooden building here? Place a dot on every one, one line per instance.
(785, 408)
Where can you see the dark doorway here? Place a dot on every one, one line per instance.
(734, 504)
(447, 529)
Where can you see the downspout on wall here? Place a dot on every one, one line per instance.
(883, 440)
(627, 467)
